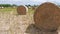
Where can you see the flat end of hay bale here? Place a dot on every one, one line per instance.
(47, 16)
(21, 10)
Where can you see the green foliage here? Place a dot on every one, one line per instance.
(14, 5)
(7, 5)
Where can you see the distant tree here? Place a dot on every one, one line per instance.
(26, 5)
(29, 5)
(5, 5)
(14, 5)
(35, 5)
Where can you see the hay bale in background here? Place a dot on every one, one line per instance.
(33, 8)
(21, 10)
(47, 17)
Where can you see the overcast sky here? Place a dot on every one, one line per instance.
(26, 2)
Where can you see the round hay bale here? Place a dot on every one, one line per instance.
(21, 10)
(33, 8)
(47, 17)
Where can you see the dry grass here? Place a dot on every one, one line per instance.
(11, 23)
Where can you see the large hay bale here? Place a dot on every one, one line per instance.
(47, 17)
(21, 10)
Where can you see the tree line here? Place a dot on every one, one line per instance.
(7, 5)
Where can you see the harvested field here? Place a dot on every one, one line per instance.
(14, 24)
(11, 23)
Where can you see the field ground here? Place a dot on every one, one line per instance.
(14, 10)
(12, 23)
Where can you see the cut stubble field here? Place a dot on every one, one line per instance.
(12, 23)
(14, 10)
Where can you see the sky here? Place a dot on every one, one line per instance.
(27, 2)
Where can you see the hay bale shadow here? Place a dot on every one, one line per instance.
(31, 29)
